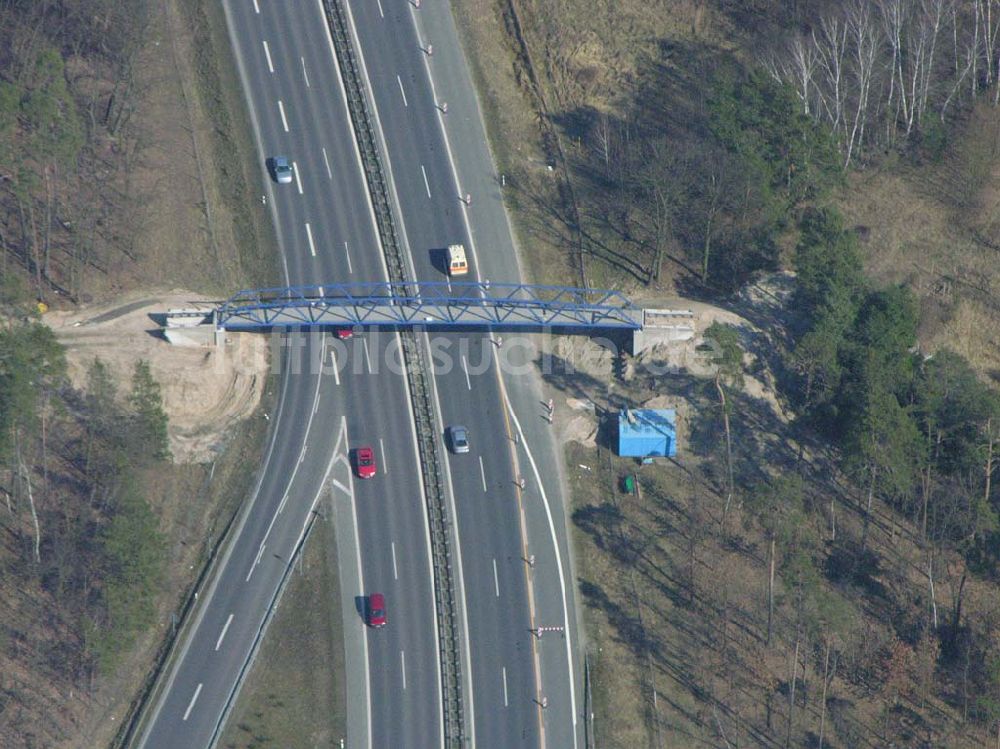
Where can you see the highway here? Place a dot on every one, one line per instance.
(326, 233)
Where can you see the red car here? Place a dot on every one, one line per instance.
(344, 333)
(364, 458)
(376, 610)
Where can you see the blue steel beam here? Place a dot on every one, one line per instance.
(429, 303)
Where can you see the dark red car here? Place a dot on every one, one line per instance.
(344, 333)
(364, 459)
(376, 610)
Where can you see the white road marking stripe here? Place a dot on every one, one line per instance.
(496, 579)
(316, 404)
(284, 120)
(340, 486)
(304, 73)
(381, 447)
(503, 673)
(395, 572)
(225, 629)
(427, 185)
(321, 292)
(348, 253)
(298, 182)
(309, 233)
(482, 472)
(267, 54)
(368, 360)
(402, 662)
(194, 699)
(256, 7)
(336, 369)
(380, 12)
(401, 91)
(465, 369)
(326, 161)
(256, 561)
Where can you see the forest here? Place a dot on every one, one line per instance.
(821, 567)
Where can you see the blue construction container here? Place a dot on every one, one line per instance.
(647, 432)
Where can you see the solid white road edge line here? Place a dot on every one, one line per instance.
(361, 580)
(559, 564)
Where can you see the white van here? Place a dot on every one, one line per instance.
(457, 264)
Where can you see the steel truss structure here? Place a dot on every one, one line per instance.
(433, 304)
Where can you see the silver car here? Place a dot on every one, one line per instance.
(459, 438)
(282, 170)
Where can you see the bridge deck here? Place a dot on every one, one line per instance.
(431, 304)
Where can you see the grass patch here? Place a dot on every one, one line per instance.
(295, 693)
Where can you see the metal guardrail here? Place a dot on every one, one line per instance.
(418, 380)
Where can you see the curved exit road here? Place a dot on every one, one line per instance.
(326, 233)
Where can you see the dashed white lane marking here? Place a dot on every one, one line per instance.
(380, 12)
(465, 368)
(368, 359)
(402, 663)
(309, 234)
(427, 185)
(503, 675)
(316, 404)
(267, 54)
(348, 253)
(284, 120)
(336, 369)
(298, 182)
(256, 7)
(305, 73)
(326, 160)
(496, 578)
(395, 572)
(381, 448)
(194, 698)
(401, 91)
(482, 472)
(222, 634)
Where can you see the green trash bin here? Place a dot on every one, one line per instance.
(629, 485)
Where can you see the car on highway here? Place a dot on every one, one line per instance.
(376, 610)
(364, 462)
(458, 436)
(343, 333)
(281, 167)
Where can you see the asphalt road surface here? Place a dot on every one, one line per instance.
(326, 233)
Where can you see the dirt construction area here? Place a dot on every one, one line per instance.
(206, 389)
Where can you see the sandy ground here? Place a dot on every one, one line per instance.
(205, 389)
